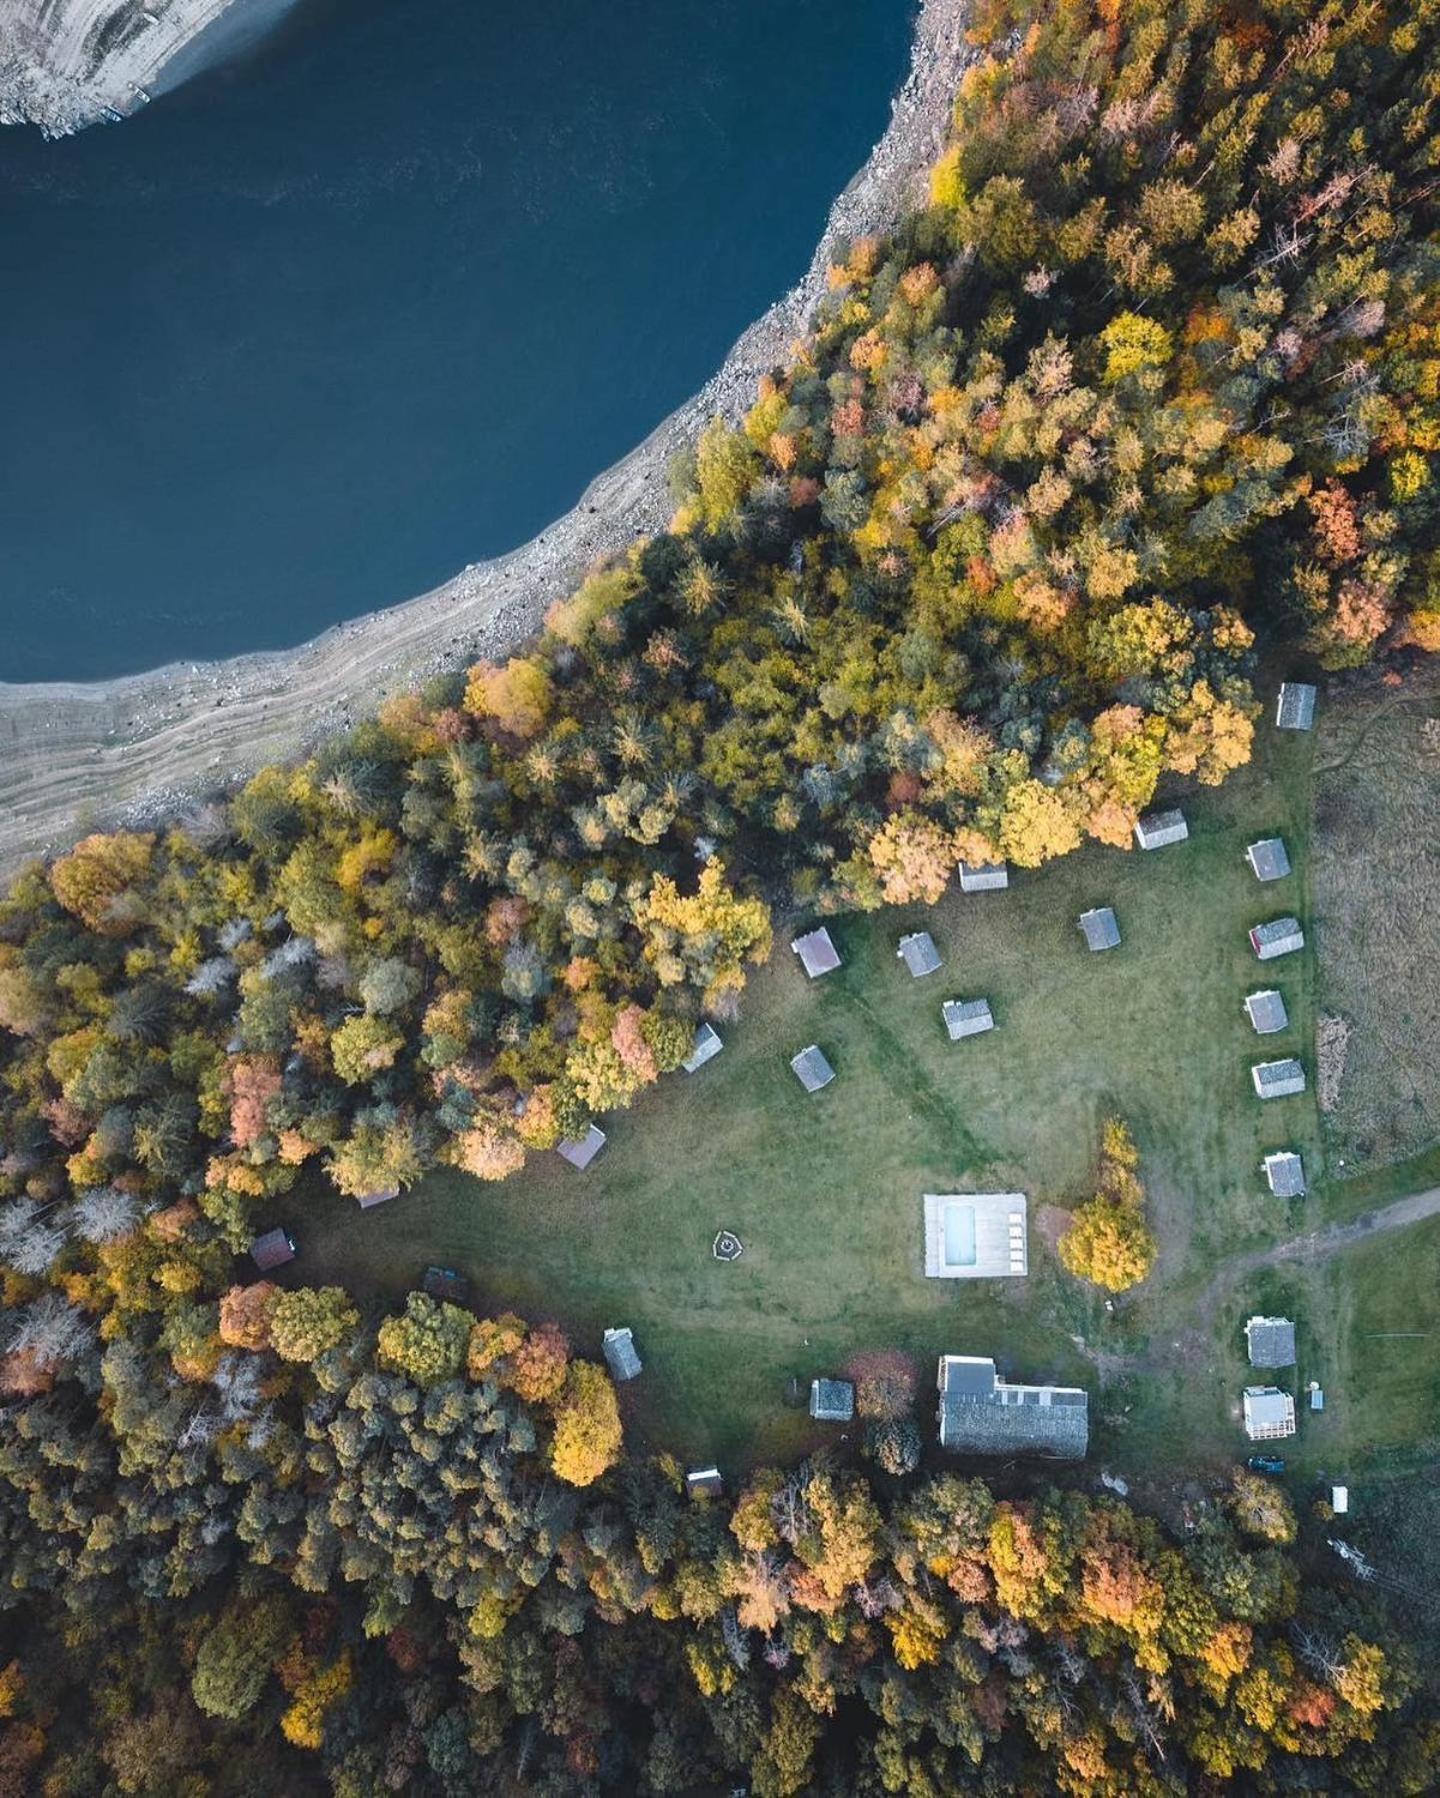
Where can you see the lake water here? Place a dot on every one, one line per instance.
(368, 303)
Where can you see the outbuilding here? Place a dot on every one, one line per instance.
(1340, 1500)
(704, 1482)
(1100, 929)
(1270, 1341)
(817, 952)
(832, 1401)
(1157, 829)
(706, 1047)
(1268, 859)
(984, 877)
(580, 1151)
(1281, 936)
(620, 1356)
(1295, 708)
(1266, 1011)
(1269, 1413)
(919, 954)
(382, 1195)
(981, 1414)
(273, 1249)
(1285, 1172)
(1278, 1079)
(811, 1069)
(967, 1017)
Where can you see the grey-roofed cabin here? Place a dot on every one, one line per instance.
(811, 1069)
(1285, 1174)
(817, 952)
(706, 1047)
(1295, 708)
(1281, 936)
(1268, 859)
(704, 1482)
(620, 1355)
(919, 954)
(832, 1401)
(580, 1151)
(273, 1249)
(1266, 1012)
(1100, 929)
(1159, 828)
(984, 877)
(967, 1017)
(382, 1195)
(1270, 1341)
(981, 1414)
(1278, 1079)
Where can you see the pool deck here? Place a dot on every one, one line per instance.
(1001, 1248)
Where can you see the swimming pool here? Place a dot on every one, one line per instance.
(960, 1236)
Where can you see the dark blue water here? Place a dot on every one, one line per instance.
(309, 333)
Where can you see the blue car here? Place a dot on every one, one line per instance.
(1265, 1464)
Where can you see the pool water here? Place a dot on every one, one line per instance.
(960, 1236)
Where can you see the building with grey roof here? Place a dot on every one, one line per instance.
(1285, 1174)
(1100, 929)
(984, 877)
(832, 1401)
(1281, 936)
(1266, 1012)
(704, 1482)
(706, 1047)
(580, 1151)
(967, 1017)
(620, 1356)
(1157, 829)
(817, 952)
(273, 1249)
(981, 1414)
(1295, 708)
(975, 1235)
(919, 954)
(811, 1069)
(1269, 1413)
(1278, 1079)
(1268, 859)
(1270, 1341)
(382, 1195)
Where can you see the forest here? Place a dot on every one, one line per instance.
(1150, 385)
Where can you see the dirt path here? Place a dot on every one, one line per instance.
(74, 757)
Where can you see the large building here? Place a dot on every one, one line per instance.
(981, 1414)
(975, 1235)
(1270, 1341)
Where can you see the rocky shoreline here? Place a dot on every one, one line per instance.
(127, 752)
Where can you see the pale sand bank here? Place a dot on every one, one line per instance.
(77, 757)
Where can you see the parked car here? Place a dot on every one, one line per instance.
(1265, 1464)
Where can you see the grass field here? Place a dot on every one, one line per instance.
(825, 1191)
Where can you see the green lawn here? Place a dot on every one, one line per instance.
(825, 1190)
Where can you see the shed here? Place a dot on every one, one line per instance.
(620, 1355)
(981, 1414)
(1266, 1011)
(706, 1047)
(1281, 936)
(1268, 859)
(382, 1195)
(1270, 1341)
(818, 954)
(445, 1283)
(832, 1401)
(1278, 1079)
(1285, 1172)
(1295, 708)
(273, 1249)
(1317, 1397)
(967, 1017)
(1339, 1500)
(1157, 829)
(580, 1151)
(1100, 929)
(811, 1069)
(919, 954)
(1269, 1413)
(704, 1482)
(984, 877)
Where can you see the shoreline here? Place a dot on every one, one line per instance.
(129, 752)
